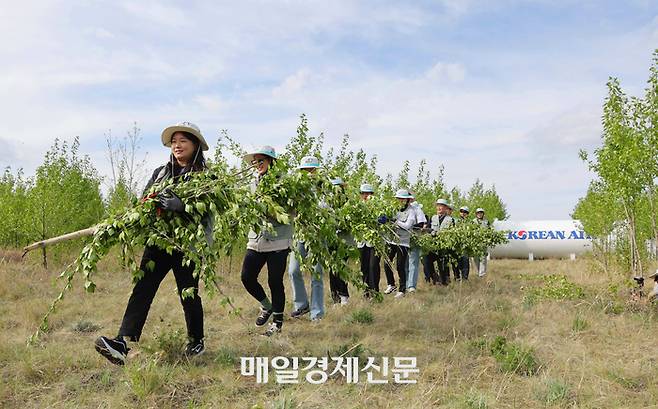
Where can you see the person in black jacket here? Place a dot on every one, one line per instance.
(187, 146)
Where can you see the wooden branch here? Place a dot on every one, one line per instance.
(64, 237)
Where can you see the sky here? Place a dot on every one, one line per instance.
(505, 91)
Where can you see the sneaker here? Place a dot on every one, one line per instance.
(344, 300)
(390, 289)
(115, 350)
(400, 294)
(274, 328)
(299, 312)
(316, 319)
(195, 348)
(411, 290)
(263, 317)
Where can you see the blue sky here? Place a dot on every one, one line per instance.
(505, 91)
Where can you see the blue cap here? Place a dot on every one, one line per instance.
(263, 150)
(403, 194)
(309, 162)
(337, 181)
(367, 188)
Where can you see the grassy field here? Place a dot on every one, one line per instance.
(511, 340)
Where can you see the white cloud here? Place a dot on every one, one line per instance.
(446, 71)
(293, 83)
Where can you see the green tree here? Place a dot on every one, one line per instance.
(65, 195)
(488, 199)
(13, 209)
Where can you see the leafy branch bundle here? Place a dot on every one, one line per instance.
(462, 239)
(225, 198)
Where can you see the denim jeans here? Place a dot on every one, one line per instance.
(481, 265)
(299, 295)
(414, 261)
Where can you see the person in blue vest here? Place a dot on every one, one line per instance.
(398, 244)
(187, 145)
(267, 248)
(300, 296)
(368, 257)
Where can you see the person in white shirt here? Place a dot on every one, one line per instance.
(369, 258)
(414, 251)
(481, 261)
(398, 245)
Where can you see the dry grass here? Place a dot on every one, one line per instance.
(592, 352)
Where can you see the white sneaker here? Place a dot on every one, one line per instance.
(390, 289)
(399, 294)
(344, 299)
(411, 290)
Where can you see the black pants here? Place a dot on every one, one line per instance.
(276, 266)
(444, 268)
(338, 287)
(427, 271)
(401, 255)
(370, 269)
(144, 291)
(464, 266)
(454, 264)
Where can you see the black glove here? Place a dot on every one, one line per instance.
(167, 200)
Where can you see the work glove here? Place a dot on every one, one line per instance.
(167, 200)
(382, 219)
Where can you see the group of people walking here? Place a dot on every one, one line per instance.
(272, 247)
(410, 220)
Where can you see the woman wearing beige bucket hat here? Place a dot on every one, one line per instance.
(187, 145)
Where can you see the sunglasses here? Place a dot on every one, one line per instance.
(258, 162)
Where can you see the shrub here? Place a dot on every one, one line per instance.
(513, 357)
(85, 326)
(362, 316)
(475, 400)
(555, 391)
(579, 324)
(168, 345)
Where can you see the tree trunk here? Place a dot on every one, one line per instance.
(43, 236)
(631, 239)
(654, 229)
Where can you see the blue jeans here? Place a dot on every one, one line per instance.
(413, 268)
(299, 295)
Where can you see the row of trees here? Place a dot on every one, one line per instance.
(620, 206)
(356, 167)
(65, 193)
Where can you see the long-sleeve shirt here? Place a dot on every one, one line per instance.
(404, 221)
